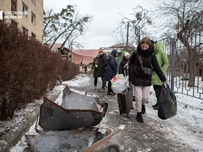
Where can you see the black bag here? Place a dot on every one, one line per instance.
(167, 104)
(147, 71)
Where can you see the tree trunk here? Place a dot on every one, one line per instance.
(191, 62)
(69, 35)
(192, 71)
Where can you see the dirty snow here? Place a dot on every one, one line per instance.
(187, 124)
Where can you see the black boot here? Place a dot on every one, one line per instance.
(143, 109)
(156, 108)
(155, 105)
(111, 93)
(133, 98)
(139, 117)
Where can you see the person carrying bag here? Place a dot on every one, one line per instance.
(146, 70)
(167, 103)
(141, 79)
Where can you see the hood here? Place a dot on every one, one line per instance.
(114, 52)
(147, 52)
(159, 47)
(96, 59)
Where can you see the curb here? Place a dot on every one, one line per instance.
(14, 135)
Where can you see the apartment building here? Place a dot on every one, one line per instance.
(27, 15)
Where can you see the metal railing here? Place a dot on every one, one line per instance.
(178, 71)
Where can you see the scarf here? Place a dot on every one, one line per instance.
(146, 53)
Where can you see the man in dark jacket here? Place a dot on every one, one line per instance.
(102, 67)
(111, 70)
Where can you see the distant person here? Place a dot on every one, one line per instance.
(102, 67)
(85, 68)
(111, 70)
(144, 58)
(95, 70)
(163, 62)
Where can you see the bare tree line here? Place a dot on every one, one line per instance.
(182, 20)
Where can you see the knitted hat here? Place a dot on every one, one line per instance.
(126, 54)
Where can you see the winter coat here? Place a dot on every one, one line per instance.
(163, 62)
(102, 65)
(121, 66)
(111, 69)
(149, 60)
(95, 66)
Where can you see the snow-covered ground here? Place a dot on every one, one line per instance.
(187, 124)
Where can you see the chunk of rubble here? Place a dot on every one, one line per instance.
(76, 111)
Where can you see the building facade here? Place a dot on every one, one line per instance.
(86, 56)
(27, 15)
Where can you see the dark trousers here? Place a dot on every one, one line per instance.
(95, 81)
(109, 87)
(157, 89)
(103, 82)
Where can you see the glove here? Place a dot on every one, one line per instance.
(96, 65)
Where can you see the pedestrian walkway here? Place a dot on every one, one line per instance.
(149, 136)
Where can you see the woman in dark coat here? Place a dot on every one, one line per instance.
(111, 70)
(95, 70)
(122, 69)
(102, 68)
(140, 80)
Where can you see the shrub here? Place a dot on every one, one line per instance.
(27, 70)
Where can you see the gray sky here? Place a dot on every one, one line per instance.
(106, 16)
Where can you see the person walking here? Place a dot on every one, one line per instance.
(122, 69)
(85, 68)
(163, 62)
(143, 59)
(111, 70)
(102, 67)
(95, 70)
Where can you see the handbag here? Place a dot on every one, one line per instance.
(146, 70)
(167, 103)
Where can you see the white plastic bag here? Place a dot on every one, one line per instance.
(119, 83)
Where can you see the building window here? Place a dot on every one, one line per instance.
(25, 31)
(25, 9)
(34, 1)
(13, 5)
(33, 36)
(33, 18)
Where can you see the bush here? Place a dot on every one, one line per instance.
(27, 70)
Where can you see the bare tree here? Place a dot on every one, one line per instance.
(185, 19)
(64, 25)
(120, 34)
(136, 26)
